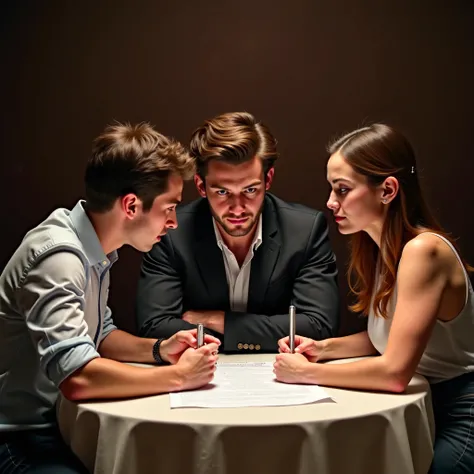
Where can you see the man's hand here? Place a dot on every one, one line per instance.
(291, 368)
(171, 349)
(196, 367)
(210, 319)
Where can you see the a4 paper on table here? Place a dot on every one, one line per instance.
(247, 384)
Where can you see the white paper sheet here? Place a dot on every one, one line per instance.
(250, 384)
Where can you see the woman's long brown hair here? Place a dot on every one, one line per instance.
(377, 152)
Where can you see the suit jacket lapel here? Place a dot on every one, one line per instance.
(209, 259)
(265, 258)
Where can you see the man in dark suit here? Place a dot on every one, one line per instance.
(240, 255)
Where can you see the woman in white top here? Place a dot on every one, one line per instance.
(410, 281)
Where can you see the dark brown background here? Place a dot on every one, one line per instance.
(310, 69)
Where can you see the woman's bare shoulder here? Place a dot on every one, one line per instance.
(430, 250)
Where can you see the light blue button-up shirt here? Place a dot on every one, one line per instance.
(53, 315)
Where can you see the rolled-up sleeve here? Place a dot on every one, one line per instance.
(52, 299)
(109, 325)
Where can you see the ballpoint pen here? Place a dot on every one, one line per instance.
(200, 335)
(292, 328)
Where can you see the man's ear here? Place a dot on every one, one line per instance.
(130, 205)
(389, 189)
(200, 185)
(269, 178)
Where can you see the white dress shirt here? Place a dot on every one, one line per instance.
(238, 278)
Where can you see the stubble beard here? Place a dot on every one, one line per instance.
(239, 231)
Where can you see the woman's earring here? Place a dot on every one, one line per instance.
(384, 201)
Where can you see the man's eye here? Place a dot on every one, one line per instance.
(221, 192)
(251, 190)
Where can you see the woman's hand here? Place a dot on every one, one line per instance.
(291, 368)
(311, 349)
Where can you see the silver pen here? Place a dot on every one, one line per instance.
(292, 328)
(200, 335)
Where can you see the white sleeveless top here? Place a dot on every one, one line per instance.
(450, 349)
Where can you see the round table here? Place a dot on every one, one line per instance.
(362, 433)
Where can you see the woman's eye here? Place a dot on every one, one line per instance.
(343, 190)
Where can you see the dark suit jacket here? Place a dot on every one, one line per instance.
(293, 265)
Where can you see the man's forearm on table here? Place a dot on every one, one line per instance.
(105, 378)
(122, 346)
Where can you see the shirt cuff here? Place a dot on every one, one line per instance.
(69, 356)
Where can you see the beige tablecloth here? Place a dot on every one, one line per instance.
(362, 433)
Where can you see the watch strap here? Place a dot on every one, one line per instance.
(156, 352)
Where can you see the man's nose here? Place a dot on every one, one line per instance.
(172, 221)
(237, 205)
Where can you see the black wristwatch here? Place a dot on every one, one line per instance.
(156, 352)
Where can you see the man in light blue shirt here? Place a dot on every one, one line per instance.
(56, 330)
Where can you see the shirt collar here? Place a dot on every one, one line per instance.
(88, 237)
(257, 239)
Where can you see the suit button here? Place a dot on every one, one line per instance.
(246, 346)
(251, 347)
(240, 346)
(257, 347)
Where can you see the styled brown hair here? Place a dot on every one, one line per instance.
(235, 138)
(133, 159)
(377, 152)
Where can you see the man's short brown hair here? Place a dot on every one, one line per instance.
(133, 159)
(235, 138)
